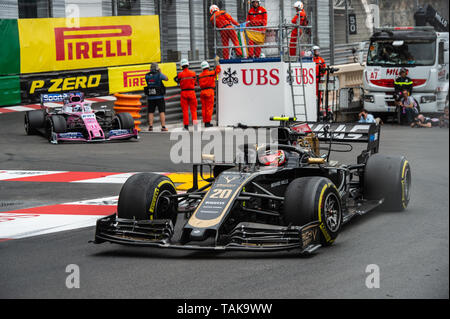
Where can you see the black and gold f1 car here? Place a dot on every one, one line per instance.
(290, 197)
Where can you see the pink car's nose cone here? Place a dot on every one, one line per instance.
(92, 126)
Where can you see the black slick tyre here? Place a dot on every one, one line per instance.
(314, 198)
(389, 178)
(142, 198)
(55, 124)
(124, 121)
(34, 120)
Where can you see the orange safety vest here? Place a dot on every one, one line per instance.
(320, 66)
(303, 20)
(186, 79)
(207, 79)
(223, 19)
(257, 17)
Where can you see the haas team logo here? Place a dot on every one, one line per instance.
(229, 179)
(71, 43)
(230, 77)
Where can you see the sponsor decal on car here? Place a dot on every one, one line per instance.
(118, 132)
(71, 135)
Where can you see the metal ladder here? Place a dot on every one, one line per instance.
(297, 91)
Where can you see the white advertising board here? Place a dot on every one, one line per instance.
(250, 93)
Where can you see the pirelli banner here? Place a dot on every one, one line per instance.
(59, 54)
(132, 78)
(93, 82)
(53, 45)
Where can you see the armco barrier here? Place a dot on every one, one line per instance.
(129, 103)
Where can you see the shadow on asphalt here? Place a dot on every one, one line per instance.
(179, 254)
(196, 255)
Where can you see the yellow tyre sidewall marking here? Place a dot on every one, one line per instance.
(155, 197)
(322, 225)
(403, 183)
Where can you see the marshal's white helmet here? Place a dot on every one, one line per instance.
(298, 5)
(204, 65)
(316, 47)
(184, 62)
(213, 8)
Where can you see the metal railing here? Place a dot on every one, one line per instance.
(279, 38)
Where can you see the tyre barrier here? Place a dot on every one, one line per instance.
(129, 103)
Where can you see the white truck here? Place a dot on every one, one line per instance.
(423, 51)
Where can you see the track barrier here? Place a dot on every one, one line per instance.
(130, 103)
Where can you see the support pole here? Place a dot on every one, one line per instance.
(192, 30)
(331, 8)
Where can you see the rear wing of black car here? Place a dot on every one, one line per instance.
(350, 133)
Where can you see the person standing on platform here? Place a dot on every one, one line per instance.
(257, 16)
(186, 79)
(299, 19)
(222, 20)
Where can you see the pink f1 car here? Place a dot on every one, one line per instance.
(76, 121)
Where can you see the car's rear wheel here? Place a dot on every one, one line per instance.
(144, 197)
(123, 121)
(389, 178)
(34, 120)
(314, 198)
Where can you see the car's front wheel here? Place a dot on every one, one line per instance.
(123, 121)
(314, 198)
(55, 124)
(145, 196)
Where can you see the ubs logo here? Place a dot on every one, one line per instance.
(230, 77)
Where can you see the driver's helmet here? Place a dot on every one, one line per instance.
(77, 108)
(74, 98)
(273, 158)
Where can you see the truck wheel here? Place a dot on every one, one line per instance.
(123, 121)
(141, 198)
(388, 177)
(34, 120)
(314, 198)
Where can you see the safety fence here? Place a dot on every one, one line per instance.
(273, 41)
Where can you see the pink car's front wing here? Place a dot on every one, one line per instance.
(112, 135)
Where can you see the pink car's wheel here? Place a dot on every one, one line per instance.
(34, 120)
(124, 121)
(55, 124)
